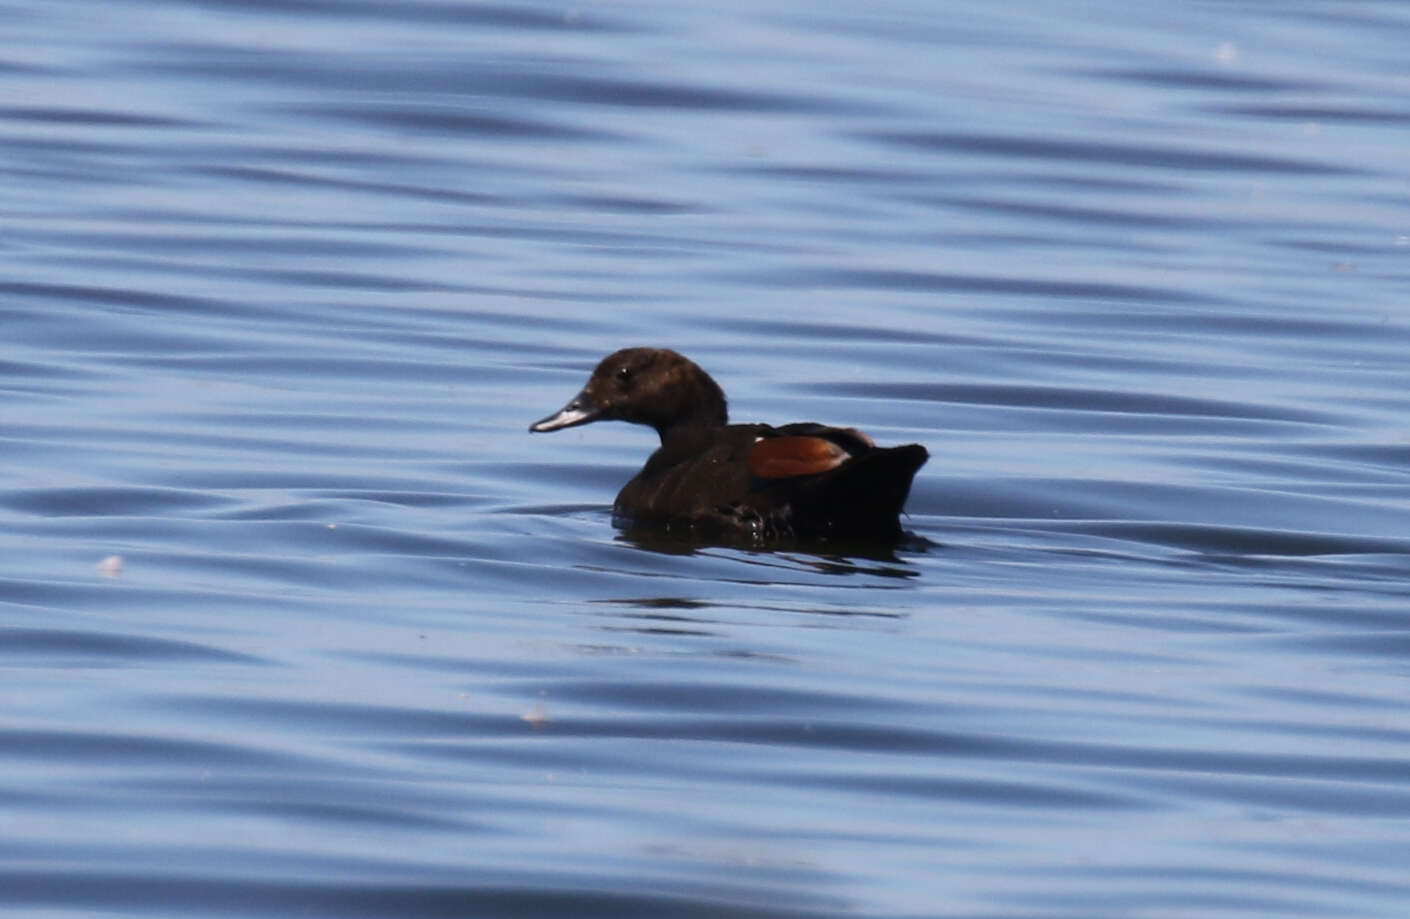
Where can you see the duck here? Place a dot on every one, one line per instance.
(803, 480)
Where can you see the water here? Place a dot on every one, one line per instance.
(283, 284)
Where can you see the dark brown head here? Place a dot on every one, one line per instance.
(651, 386)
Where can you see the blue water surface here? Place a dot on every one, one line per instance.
(296, 618)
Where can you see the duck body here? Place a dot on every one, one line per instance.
(803, 480)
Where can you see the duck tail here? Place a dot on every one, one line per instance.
(864, 497)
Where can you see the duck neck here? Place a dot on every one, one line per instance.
(708, 411)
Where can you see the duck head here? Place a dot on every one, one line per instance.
(651, 386)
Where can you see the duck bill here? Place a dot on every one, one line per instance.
(580, 410)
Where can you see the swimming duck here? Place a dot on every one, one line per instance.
(802, 480)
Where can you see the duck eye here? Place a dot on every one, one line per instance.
(624, 374)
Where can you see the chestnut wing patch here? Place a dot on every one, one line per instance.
(794, 455)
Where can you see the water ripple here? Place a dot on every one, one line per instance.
(60, 647)
(1106, 152)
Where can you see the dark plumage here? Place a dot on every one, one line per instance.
(803, 480)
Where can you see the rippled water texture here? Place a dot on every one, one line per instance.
(297, 619)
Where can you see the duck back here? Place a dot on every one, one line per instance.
(716, 480)
(860, 499)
